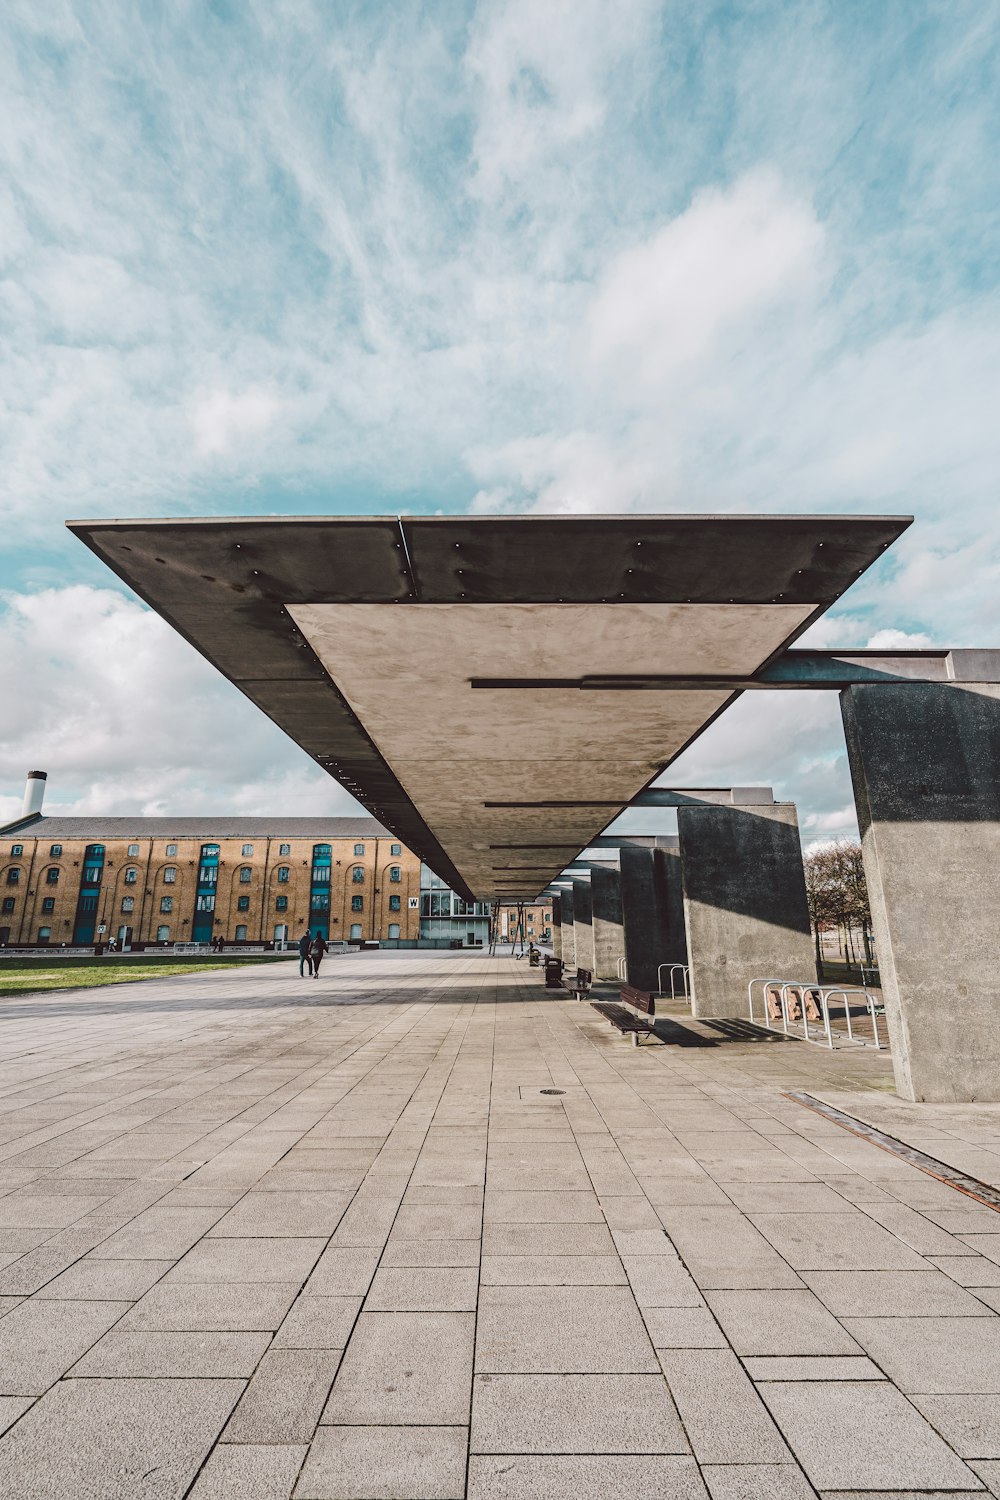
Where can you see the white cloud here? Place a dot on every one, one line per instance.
(222, 418)
(730, 258)
(126, 717)
(898, 640)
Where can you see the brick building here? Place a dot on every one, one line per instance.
(166, 880)
(537, 921)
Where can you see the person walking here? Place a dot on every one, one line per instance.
(317, 948)
(304, 959)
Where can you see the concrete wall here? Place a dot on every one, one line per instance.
(583, 924)
(557, 926)
(609, 939)
(652, 913)
(744, 902)
(925, 762)
(568, 954)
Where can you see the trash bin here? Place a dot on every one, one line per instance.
(553, 973)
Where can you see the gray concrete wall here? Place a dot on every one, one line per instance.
(568, 954)
(744, 902)
(557, 926)
(925, 762)
(583, 924)
(609, 939)
(652, 915)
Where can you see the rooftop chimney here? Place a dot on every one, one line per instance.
(34, 793)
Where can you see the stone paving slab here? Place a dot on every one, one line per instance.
(269, 1239)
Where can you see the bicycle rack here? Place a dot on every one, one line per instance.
(685, 979)
(822, 995)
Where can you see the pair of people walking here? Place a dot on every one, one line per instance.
(311, 951)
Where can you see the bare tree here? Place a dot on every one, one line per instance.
(838, 895)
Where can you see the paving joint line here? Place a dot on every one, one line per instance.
(982, 1192)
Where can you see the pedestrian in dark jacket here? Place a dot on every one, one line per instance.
(304, 959)
(317, 948)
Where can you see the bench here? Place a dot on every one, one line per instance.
(625, 1020)
(580, 986)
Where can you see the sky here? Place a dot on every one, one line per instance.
(603, 256)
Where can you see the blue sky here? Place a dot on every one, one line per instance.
(575, 256)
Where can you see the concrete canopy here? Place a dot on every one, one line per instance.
(433, 666)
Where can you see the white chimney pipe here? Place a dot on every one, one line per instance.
(34, 793)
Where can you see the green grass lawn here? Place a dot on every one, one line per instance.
(21, 975)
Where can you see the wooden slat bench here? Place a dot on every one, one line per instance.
(625, 1020)
(581, 985)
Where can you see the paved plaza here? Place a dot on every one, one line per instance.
(421, 1229)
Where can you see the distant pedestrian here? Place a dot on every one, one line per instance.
(317, 948)
(304, 959)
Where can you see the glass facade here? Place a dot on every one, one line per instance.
(446, 918)
(203, 926)
(85, 926)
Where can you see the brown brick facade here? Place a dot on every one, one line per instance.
(144, 879)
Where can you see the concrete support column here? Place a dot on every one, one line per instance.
(583, 925)
(557, 926)
(744, 902)
(925, 762)
(568, 954)
(652, 912)
(606, 906)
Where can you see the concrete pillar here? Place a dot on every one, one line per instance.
(744, 902)
(568, 954)
(925, 762)
(557, 926)
(606, 905)
(583, 924)
(652, 913)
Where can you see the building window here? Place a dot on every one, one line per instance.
(208, 850)
(16, 849)
(357, 903)
(131, 876)
(395, 850)
(358, 875)
(128, 903)
(202, 903)
(52, 876)
(394, 929)
(8, 903)
(282, 874)
(243, 904)
(49, 904)
(13, 876)
(241, 934)
(247, 850)
(321, 850)
(284, 848)
(358, 849)
(133, 851)
(281, 904)
(166, 903)
(171, 852)
(170, 874)
(55, 851)
(91, 874)
(395, 874)
(394, 903)
(355, 929)
(320, 901)
(246, 875)
(163, 934)
(321, 875)
(44, 933)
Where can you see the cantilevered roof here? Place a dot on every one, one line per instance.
(458, 674)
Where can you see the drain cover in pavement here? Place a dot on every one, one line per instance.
(552, 1091)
